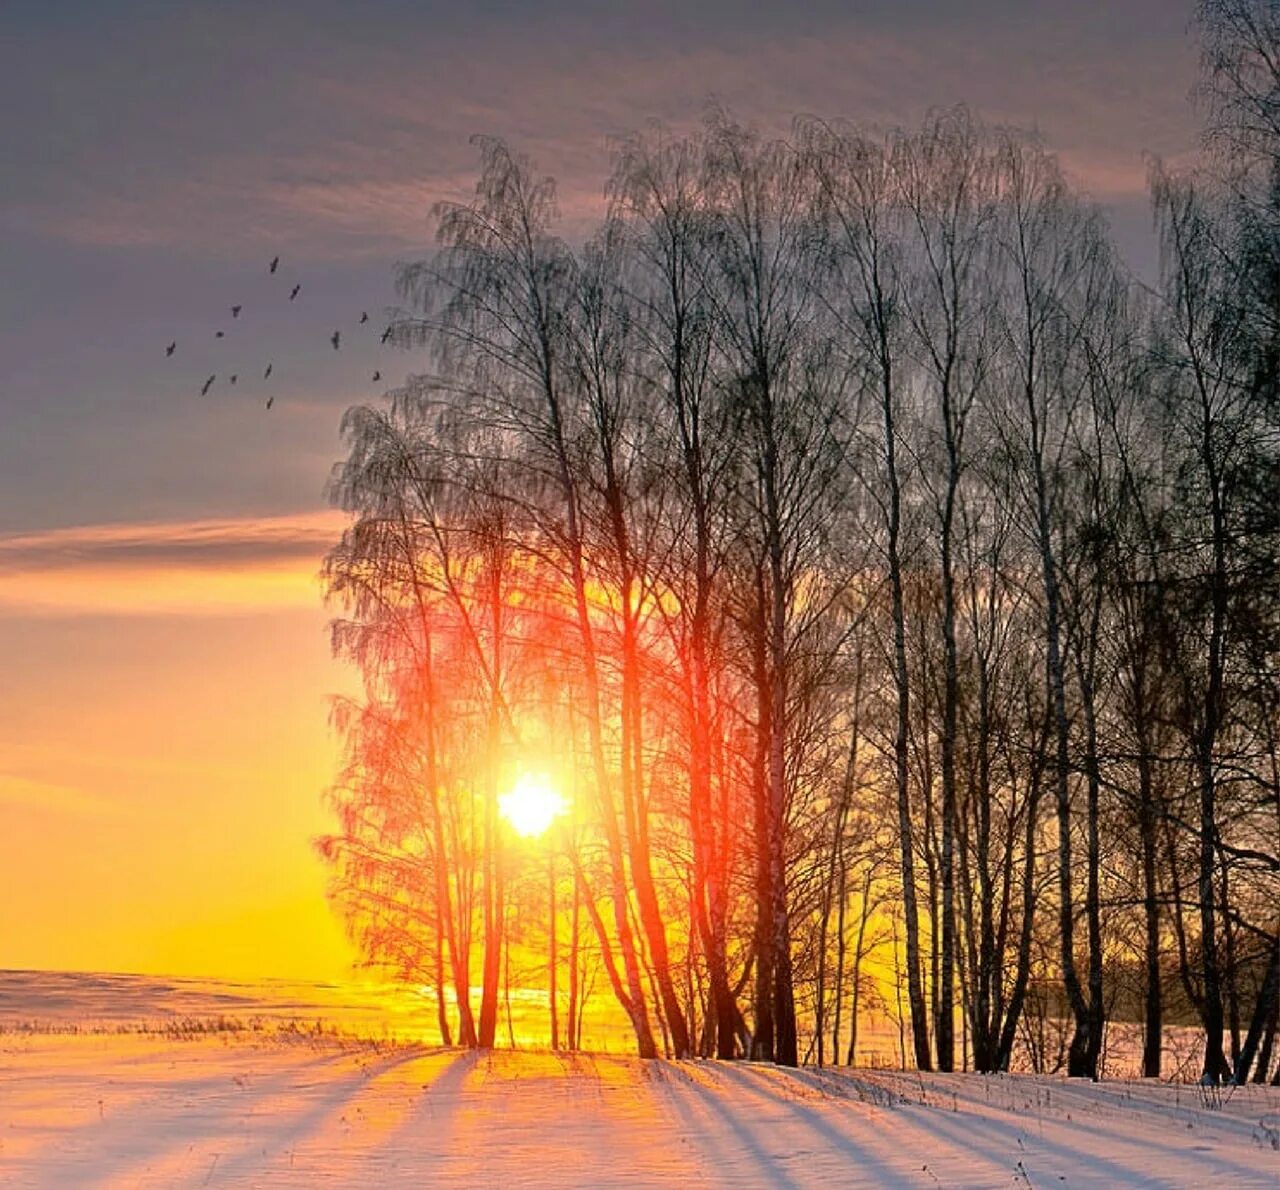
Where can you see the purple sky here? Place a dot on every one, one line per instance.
(158, 154)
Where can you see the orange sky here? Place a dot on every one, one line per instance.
(166, 749)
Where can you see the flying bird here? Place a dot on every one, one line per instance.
(293, 293)
(270, 401)
(208, 384)
(233, 377)
(267, 374)
(364, 317)
(275, 264)
(386, 335)
(335, 338)
(219, 334)
(171, 348)
(235, 311)
(376, 377)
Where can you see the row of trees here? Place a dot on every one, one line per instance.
(892, 577)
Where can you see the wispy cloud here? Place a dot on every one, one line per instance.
(26, 793)
(188, 567)
(361, 136)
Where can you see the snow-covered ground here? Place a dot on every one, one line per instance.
(230, 1109)
(140, 1081)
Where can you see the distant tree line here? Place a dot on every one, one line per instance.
(895, 579)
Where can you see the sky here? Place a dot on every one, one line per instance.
(164, 738)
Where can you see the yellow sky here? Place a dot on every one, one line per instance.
(164, 745)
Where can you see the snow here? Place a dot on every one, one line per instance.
(281, 1108)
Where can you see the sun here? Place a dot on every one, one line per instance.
(531, 805)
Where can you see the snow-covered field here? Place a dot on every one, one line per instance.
(280, 1107)
(84, 1109)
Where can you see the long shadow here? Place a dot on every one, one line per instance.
(69, 1151)
(1159, 1105)
(1001, 1148)
(1202, 1132)
(816, 1121)
(999, 1143)
(292, 1128)
(430, 1120)
(258, 1083)
(1086, 1110)
(302, 1125)
(694, 1102)
(1084, 1129)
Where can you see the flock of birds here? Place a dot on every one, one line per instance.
(335, 339)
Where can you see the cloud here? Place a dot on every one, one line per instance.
(26, 793)
(191, 543)
(346, 142)
(229, 566)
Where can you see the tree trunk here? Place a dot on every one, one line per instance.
(1086, 664)
(864, 913)
(763, 1035)
(1022, 977)
(906, 841)
(553, 1005)
(495, 876)
(635, 998)
(1153, 1015)
(572, 1038)
(1055, 667)
(945, 992)
(1264, 1015)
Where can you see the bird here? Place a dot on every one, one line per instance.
(233, 377)
(219, 334)
(270, 401)
(208, 384)
(335, 338)
(171, 348)
(235, 311)
(386, 335)
(376, 377)
(267, 374)
(364, 317)
(293, 293)
(275, 264)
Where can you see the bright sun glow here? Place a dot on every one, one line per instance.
(531, 805)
